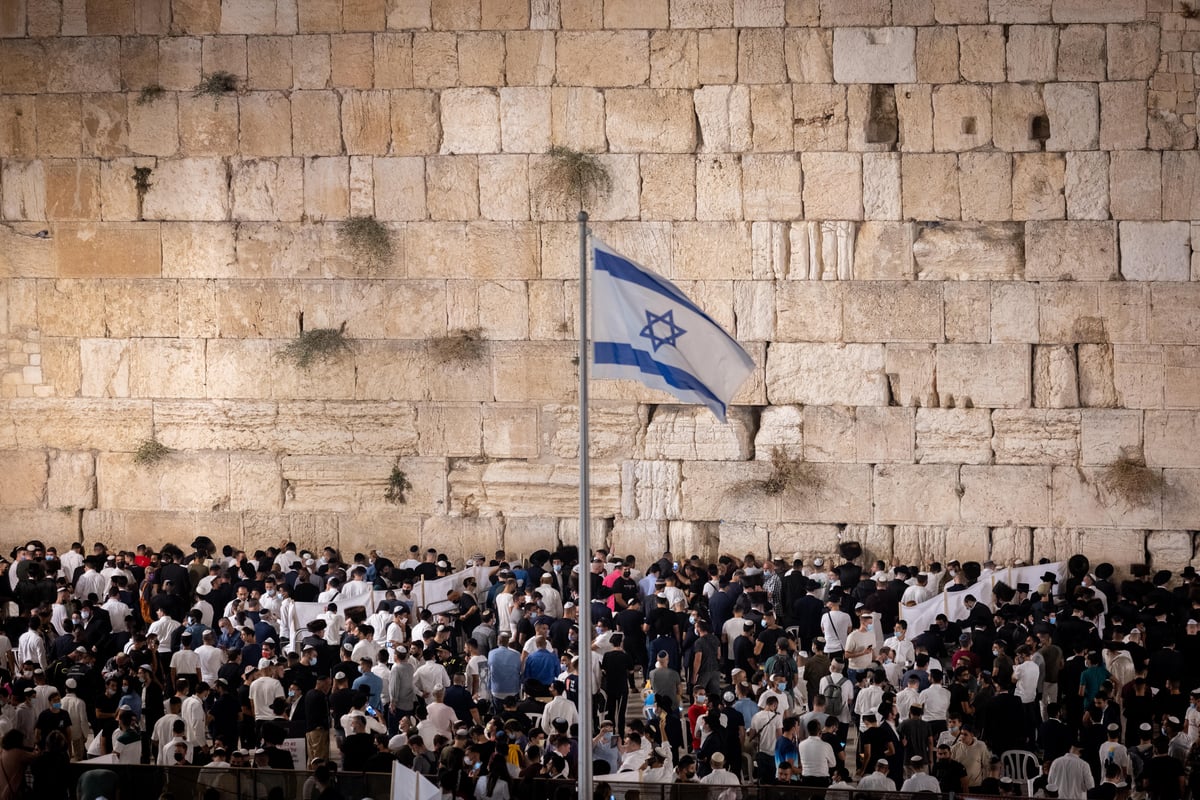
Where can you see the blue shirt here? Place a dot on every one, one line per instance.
(786, 750)
(504, 672)
(747, 708)
(373, 684)
(542, 666)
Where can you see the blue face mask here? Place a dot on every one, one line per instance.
(57, 705)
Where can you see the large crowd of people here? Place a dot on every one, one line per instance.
(774, 671)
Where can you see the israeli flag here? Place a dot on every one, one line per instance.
(645, 329)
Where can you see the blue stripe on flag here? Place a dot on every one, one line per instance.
(624, 355)
(623, 269)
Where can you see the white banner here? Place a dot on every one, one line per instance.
(920, 617)
(408, 784)
(299, 750)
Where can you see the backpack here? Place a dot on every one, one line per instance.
(833, 697)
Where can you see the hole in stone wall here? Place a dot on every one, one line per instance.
(883, 124)
(1039, 128)
(968, 126)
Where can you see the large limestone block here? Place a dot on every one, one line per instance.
(827, 374)
(646, 539)
(883, 250)
(510, 431)
(452, 191)
(957, 251)
(507, 177)
(68, 308)
(962, 117)
(24, 190)
(884, 435)
(651, 489)
(1055, 382)
(779, 427)
(72, 190)
(1074, 113)
(189, 189)
(23, 481)
(674, 59)
(480, 59)
(910, 374)
(808, 53)
(836, 493)
(1032, 53)
(761, 56)
(1039, 186)
(534, 371)
(985, 186)
(72, 480)
(930, 186)
(82, 64)
(806, 541)
(1138, 376)
(456, 534)
(832, 186)
(449, 429)
(1182, 376)
(1120, 548)
(208, 126)
(1084, 11)
(615, 430)
(178, 482)
(987, 376)
(525, 119)
(829, 434)
(914, 107)
(745, 537)
(710, 250)
(822, 250)
(1135, 185)
(471, 250)
(1092, 312)
(199, 250)
(953, 436)
(881, 187)
(723, 116)
(1181, 185)
(1014, 109)
(378, 529)
(1073, 251)
(1133, 50)
(876, 540)
(719, 187)
(310, 531)
(874, 55)
(366, 122)
(1034, 436)
(1171, 438)
(916, 494)
(754, 310)
(968, 312)
(602, 58)
(1183, 490)
(1080, 495)
(921, 544)
(692, 433)
(1122, 115)
(255, 482)
(518, 488)
(981, 53)
(1172, 314)
(18, 526)
(770, 187)
(416, 122)
(1170, 550)
(1156, 251)
(166, 368)
(1087, 186)
(1011, 544)
(1081, 53)
(108, 250)
(470, 121)
(1105, 434)
(76, 424)
(341, 483)
(887, 312)
(654, 120)
(105, 367)
(937, 55)
(268, 189)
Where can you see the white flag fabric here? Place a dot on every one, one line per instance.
(645, 329)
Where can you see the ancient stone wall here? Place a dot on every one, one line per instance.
(956, 236)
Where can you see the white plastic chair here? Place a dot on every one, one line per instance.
(1022, 766)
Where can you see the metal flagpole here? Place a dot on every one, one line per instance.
(584, 772)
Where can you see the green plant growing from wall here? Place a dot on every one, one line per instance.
(317, 346)
(464, 344)
(575, 178)
(141, 182)
(369, 241)
(397, 486)
(149, 452)
(217, 83)
(150, 92)
(1129, 479)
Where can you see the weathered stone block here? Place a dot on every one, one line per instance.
(883, 251)
(809, 311)
(71, 481)
(856, 12)
(910, 374)
(1138, 377)
(1182, 376)
(650, 120)
(822, 374)
(72, 189)
(981, 53)
(829, 434)
(985, 186)
(449, 429)
(719, 188)
(1035, 437)
(968, 314)
(989, 376)
(761, 56)
(352, 484)
(268, 189)
(820, 114)
(1006, 495)
(1156, 251)
(874, 55)
(1122, 115)
(1170, 439)
(470, 121)
(188, 189)
(1135, 185)
(1011, 544)
(1015, 107)
(1133, 50)
(808, 53)
(1081, 495)
(881, 186)
(772, 118)
(1071, 251)
(832, 186)
(770, 186)
(166, 368)
(327, 188)
(957, 251)
(917, 493)
(962, 117)
(930, 186)
(1172, 314)
(953, 436)
(884, 435)
(1105, 435)
(690, 433)
(937, 55)
(914, 108)
(1055, 379)
(1087, 185)
(1032, 53)
(887, 312)
(603, 58)
(1074, 113)
(1039, 185)
(702, 14)
(23, 482)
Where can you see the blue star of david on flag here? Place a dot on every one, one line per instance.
(705, 366)
(673, 330)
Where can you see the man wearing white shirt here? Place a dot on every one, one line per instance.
(430, 678)
(936, 701)
(816, 757)
(719, 775)
(1071, 774)
(917, 593)
(334, 623)
(907, 697)
(265, 689)
(31, 646)
(920, 780)
(71, 561)
(900, 645)
(551, 599)
(211, 658)
(288, 559)
(765, 727)
(192, 711)
(91, 582)
(559, 707)
(835, 627)
(117, 611)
